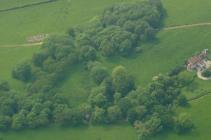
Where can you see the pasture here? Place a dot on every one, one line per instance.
(56, 17)
(170, 49)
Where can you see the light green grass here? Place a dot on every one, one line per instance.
(57, 17)
(173, 48)
(77, 86)
(120, 132)
(5, 4)
(187, 11)
(9, 57)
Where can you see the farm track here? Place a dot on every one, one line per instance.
(22, 45)
(203, 24)
(187, 26)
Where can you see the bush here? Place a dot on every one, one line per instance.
(22, 72)
(98, 74)
(206, 73)
(183, 123)
(4, 86)
(122, 81)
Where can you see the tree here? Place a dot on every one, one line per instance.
(5, 122)
(4, 86)
(207, 73)
(87, 53)
(114, 113)
(148, 128)
(86, 111)
(98, 74)
(124, 104)
(97, 98)
(98, 116)
(122, 81)
(183, 123)
(62, 114)
(39, 58)
(22, 72)
(182, 100)
(19, 121)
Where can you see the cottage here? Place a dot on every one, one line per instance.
(198, 62)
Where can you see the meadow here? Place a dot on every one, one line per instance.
(170, 49)
(17, 26)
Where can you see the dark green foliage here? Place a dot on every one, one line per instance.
(5, 122)
(39, 58)
(122, 81)
(87, 53)
(148, 128)
(98, 116)
(183, 123)
(98, 74)
(176, 70)
(182, 100)
(114, 113)
(114, 40)
(22, 72)
(206, 73)
(4, 86)
(130, 15)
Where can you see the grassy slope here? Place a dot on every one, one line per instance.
(55, 17)
(174, 47)
(187, 11)
(5, 4)
(121, 132)
(11, 56)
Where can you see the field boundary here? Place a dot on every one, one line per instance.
(199, 96)
(27, 5)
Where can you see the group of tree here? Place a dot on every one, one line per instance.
(150, 110)
(115, 98)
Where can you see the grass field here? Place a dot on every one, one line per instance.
(7, 4)
(120, 132)
(11, 56)
(181, 12)
(172, 48)
(57, 17)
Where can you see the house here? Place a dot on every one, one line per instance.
(198, 62)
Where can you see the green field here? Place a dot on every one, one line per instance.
(56, 17)
(172, 48)
(121, 132)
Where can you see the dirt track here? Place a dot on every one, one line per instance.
(187, 26)
(22, 45)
